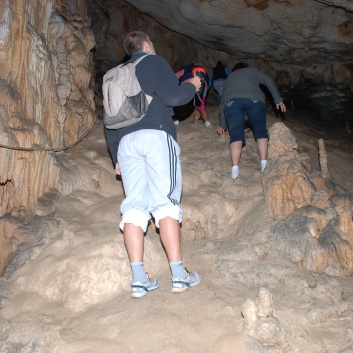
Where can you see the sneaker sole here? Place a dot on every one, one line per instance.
(140, 295)
(184, 289)
(179, 290)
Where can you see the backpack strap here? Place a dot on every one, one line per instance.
(141, 58)
(149, 98)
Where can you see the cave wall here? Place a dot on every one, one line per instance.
(46, 94)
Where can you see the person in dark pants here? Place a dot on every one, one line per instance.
(218, 78)
(242, 96)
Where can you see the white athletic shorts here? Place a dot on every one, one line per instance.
(149, 162)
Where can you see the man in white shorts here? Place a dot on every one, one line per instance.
(147, 157)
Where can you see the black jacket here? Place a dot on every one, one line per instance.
(158, 80)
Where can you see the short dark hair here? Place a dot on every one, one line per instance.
(239, 66)
(134, 42)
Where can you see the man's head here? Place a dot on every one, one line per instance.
(138, 41)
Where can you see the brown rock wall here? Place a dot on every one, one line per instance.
(11, 237)
(47, 99)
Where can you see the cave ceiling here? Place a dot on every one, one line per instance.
(300, 32)
(306, 45)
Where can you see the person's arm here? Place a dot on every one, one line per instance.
(282, 107)
(117, 169)
(271, 85)
(220, 130)
(222, 120)
(167, 85)
(112, 141)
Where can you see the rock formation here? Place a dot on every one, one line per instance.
(47, 99)
(316, 231)
(260, 322)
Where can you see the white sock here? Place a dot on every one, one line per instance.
(263, 164)
(235, 168)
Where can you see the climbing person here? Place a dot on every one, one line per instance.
(242, 96)
(185, 73)
(147, 157)
(218, 77)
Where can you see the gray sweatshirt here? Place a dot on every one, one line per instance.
(244, 83)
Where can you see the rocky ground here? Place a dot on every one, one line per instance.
(68, 290)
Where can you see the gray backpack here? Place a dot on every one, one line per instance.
(124, 101)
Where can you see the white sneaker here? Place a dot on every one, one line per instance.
(235, 174)
(207, 124)
(176, 122)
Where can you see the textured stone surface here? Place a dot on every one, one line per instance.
(70, 274)
(304, 33)
(286, 182)
(305, 44)
(317, 228)
(47, 101)
(11, 237)
(260, 322)
(50, 102)
(70, 293)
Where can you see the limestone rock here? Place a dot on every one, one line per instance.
(262, 323)
(80, 271)
(318, 240)
(11, 237)
(287, 183)
(317, 228)
(52, 48)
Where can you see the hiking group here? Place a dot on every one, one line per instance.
(139, 97)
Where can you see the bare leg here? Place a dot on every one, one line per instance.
(169, 229)
(134, 242)
(262, 145)
(235, 151)
(204, 115)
